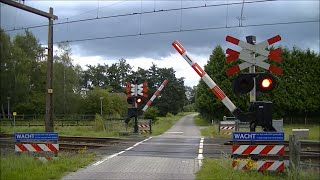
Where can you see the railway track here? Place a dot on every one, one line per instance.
(73, 143)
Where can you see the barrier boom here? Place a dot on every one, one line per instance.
(154, 95)
(205, 77)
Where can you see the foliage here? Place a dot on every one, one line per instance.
(99, 123)
(151, 113)
(297, 92)
(189, 108)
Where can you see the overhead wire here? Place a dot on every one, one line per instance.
(140, 13)
(43, 24)
(187, 30)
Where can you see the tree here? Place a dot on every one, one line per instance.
(66, 81)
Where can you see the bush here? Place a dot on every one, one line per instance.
(99, 123)
(169, 115)
(151, 113)
(189, 108)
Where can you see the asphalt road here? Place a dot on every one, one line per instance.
(173, 155)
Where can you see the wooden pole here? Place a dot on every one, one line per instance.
(49, 97)
(294, 153)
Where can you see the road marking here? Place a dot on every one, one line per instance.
(178, 132)
(200, 155)
(116, 154)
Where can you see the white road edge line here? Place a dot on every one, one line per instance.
(116, 154)
(200, 155)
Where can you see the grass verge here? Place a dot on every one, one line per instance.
(24, 166)
(165, 123)
(209, 130)
(221, 169)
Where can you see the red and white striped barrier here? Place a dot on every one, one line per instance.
(260, 165)
(258, 149)
(205, 77)
(37, 147)
(155, 95)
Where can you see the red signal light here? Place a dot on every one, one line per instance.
(266, 83)
(138, 100)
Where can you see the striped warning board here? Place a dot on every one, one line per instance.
(36, 147)
(145, 126)
(258, 149)
(243, 164)
(227, 127)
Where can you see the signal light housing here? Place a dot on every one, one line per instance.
(244, 83)
(130, 100)
(265, 83)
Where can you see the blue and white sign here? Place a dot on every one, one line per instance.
(49, 136)
(257, 136)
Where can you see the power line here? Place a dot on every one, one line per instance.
(67, 18)
(140, 13)
(188, 30)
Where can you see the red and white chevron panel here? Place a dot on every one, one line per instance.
(227, 127)
(258, 149)
(260, 165)
(205, 77)
(37, 147)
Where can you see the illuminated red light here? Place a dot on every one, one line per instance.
(266, 83)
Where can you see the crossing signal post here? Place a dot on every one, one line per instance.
(135, 94)
(259, 112)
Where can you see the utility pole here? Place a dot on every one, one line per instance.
(49, 94)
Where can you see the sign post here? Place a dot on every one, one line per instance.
(14, 121)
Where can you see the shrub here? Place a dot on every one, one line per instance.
(151, 113)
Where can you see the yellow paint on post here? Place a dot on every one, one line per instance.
(14, 113)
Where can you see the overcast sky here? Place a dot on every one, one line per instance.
(142, 31)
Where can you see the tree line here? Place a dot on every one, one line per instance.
(80, 90)
(295, 97)
(77, 90)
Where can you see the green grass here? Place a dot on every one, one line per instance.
(314, 130)
(165, 123)
(24, 166)
(221, 169)
(96, 130)
(212, 130)
(207, 129)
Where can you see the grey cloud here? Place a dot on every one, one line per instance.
(159, 45)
